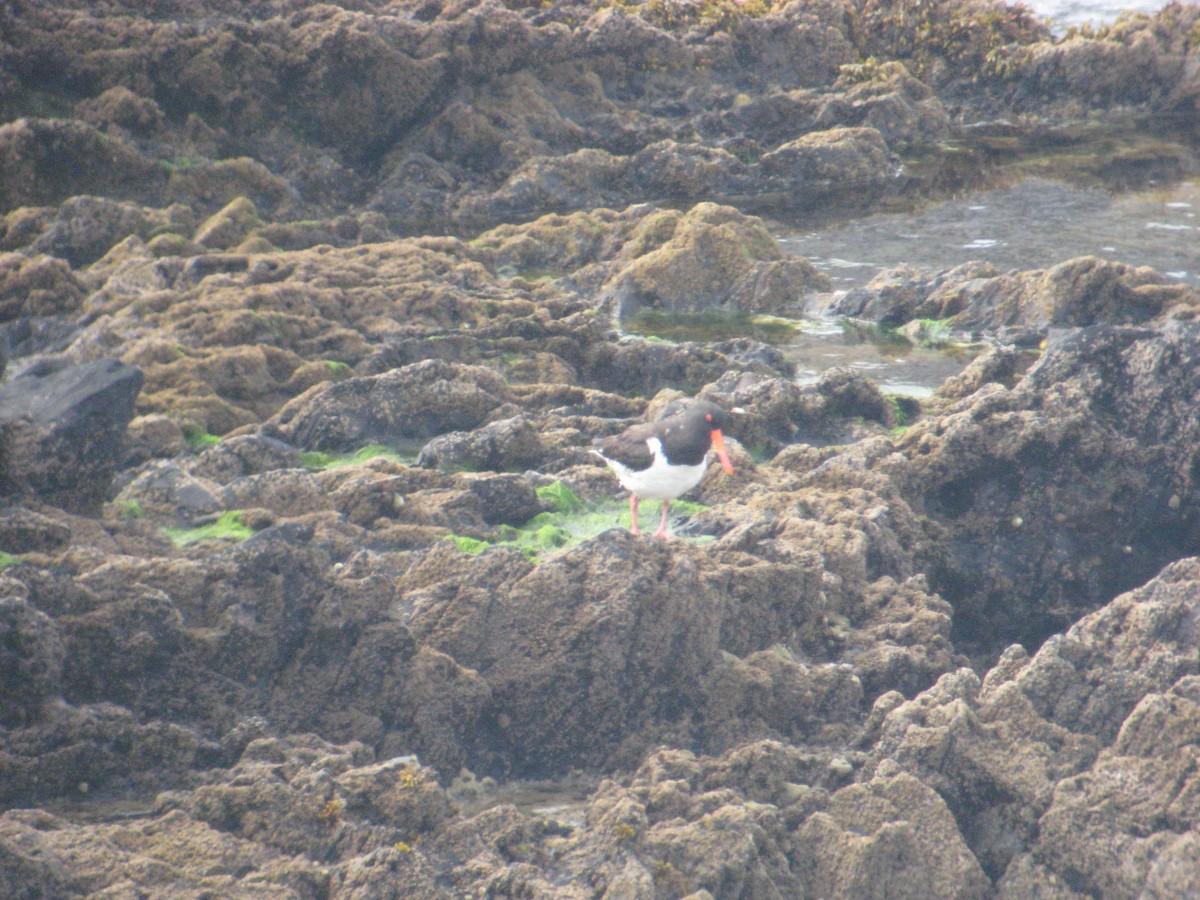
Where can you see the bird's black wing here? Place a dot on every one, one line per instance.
(629, 448)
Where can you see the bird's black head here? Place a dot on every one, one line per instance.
(708, 412)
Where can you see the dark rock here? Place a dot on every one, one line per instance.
(1093, 434)
(507, 498)
(242, 455)
(47, 160)
(416, 401)
(30, 337)
(902, 294)
(840, 407)
(998, 365)
(498, 446)
(640, 367)
(31, 661)
(70, 751)
(25, 530)
(824, 163)
(123, 108)
(63, 429)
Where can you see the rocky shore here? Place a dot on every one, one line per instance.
(309, 583)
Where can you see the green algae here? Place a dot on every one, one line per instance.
(712, 325)
(469, 545)
(227, 527)
(562, 497)
(319, 460)
(574, 521)
(197, 438)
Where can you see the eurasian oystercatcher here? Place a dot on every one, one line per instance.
(661, 460)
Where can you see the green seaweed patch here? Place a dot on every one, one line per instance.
(8, 559)
(466, 544)
(929, 332)
(197, 438)
(318, 460)
(562, 497)
(713, 325)
(574, 521)
(227, 527)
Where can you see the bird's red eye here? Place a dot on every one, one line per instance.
(708, 416)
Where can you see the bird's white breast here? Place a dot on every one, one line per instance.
(660, 481)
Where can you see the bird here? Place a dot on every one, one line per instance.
(662, 460)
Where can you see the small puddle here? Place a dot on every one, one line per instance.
(564, 801)
(814, 346)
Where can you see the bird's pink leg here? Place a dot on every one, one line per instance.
(662, 525)
(633, 508)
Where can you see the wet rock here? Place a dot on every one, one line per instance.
(795, 46)
(420, 400)
(997, 365)
(508, 444)
(870, 833)
(902, 294)
(506, 498)
(904, 110)
(62, 431)
(68, 751)
(838, 408)
(1105, 71)
(840, 156)
(636, 366)
(975, 297)
(1102, 442)
(32, 660)
(1051, 754)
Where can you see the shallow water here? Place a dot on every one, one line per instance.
(1081, 12)
(896, 365)
(1030, 225)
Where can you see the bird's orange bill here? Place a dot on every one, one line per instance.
(718, 441)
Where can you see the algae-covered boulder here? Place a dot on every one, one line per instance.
(34, 286)
(711, 257)
(416, 401)
(36, 154)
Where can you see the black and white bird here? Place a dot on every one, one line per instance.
(662, 460)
